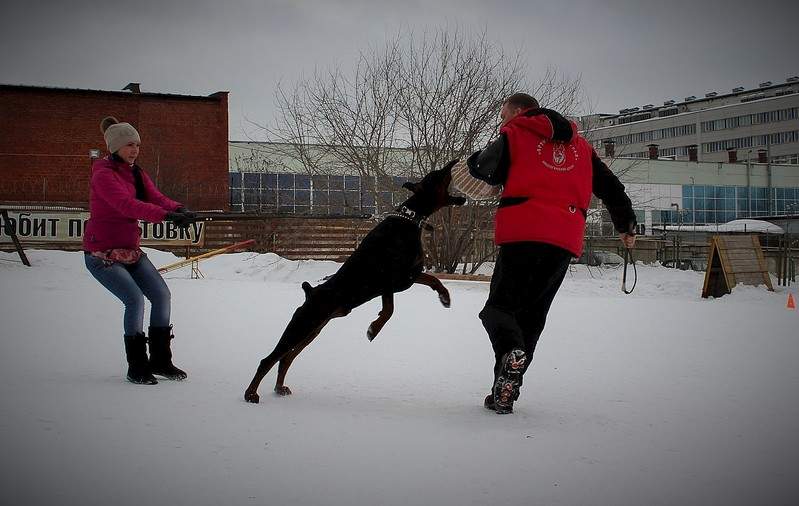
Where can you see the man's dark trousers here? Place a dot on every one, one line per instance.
(527, 275)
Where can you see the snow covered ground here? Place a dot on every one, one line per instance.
(657, 398)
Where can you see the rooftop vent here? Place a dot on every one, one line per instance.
(765, 84)
(133, 87)
(756, 96)
(690, 99)
(738, 89)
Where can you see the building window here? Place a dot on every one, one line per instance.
(786, 159)
(650, 135)
(314, 195)
(751, 119)
(748, 142)
(710, 205)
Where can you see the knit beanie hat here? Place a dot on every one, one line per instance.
(117, 134)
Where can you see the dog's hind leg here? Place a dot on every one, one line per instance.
(303, 324)
(382, 317)
(436, 284)
(289, 357)
(251, 394)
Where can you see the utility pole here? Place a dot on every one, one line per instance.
(768, 172)
(677, 237)
(748, 184)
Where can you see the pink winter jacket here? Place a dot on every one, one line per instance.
(114, 209)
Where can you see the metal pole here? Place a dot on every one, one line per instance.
(677, 236)
(787, 239)
(748, 184)
(693, 221)
(768, 172)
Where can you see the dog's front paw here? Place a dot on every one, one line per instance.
(443, 296)
(283, 391)
(372, 331)
(251, 397)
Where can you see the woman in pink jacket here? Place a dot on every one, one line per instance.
(122, 194)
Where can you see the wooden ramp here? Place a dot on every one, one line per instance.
(194, 261)
(734, 259)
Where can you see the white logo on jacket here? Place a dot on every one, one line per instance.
(560, 155)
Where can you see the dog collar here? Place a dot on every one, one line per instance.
(408, 214)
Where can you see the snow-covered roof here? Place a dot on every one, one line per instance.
(759, 226)
(753, 226)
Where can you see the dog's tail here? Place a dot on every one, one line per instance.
(306, 287)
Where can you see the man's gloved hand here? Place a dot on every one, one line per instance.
(183, 220)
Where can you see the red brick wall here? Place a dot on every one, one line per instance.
(46, 135)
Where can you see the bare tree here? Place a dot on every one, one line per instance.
(450, 88)
(407, 109)
(333, 119)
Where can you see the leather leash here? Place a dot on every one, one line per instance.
(628, 258)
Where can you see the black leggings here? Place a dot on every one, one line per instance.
(527, 275)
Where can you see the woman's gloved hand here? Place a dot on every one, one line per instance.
(182, 220)
(191, 214)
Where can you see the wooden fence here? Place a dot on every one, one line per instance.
(335, 238)
(290, 237)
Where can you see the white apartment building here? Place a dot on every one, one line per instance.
(757, 125)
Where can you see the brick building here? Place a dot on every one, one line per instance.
(47, 136)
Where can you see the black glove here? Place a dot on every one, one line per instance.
(183, 220)
(191, 214)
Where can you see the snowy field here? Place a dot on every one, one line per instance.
(657, 398)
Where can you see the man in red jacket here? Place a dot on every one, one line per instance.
(548, 172)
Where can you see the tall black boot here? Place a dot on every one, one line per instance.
(138, 366)
(161, 354)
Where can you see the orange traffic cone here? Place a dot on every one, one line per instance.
(791, 304)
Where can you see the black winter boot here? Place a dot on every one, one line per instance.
(161, 354)
(138, 366)
(506, 387)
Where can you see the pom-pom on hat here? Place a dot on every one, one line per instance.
(117, 134)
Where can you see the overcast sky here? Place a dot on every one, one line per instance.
(627, 53)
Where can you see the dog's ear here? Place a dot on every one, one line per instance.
(450, 164)
(456, 201)
(414, 187)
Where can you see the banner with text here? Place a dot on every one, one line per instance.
(67, 227)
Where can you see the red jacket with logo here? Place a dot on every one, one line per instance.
(548, 187)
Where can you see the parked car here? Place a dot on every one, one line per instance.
(598, 258)
(685, 264)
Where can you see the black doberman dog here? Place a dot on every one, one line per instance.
(388, 260)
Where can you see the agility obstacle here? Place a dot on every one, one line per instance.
(733, 260)
(194, 261)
